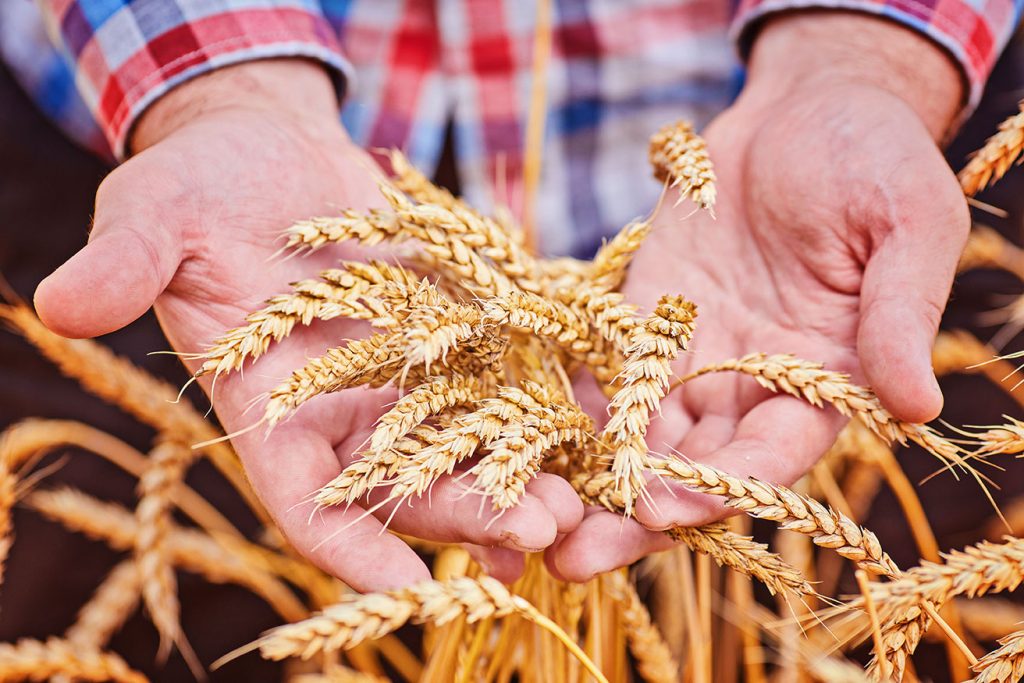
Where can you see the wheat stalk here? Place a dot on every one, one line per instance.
(995, 158)
(654, 344)
(1004, 664)
(680, 157)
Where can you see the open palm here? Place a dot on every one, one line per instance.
(194, 222)
(826, 247)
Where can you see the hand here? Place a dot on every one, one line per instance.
(838, 232)
(224, 163)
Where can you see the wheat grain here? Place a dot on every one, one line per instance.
(680, 157)
(654, 344)
(995, 158)
(654, 660)
(432, 332)
(1004, 664)
(34, 660)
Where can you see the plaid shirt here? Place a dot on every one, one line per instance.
(412, 68)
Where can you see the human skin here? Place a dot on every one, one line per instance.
(839, 225)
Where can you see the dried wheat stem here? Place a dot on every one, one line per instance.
(108, 609)
(168, 464)
(1003, 665)
(791, 511)
(654, 344)
(995, 158)
(653, 657)
(361, 617)
(35, 660)
(190, 550)
(727, 548)
(680, 157)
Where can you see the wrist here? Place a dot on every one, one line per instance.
(821, 48)
(295, 88)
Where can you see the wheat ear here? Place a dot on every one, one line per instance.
(654, 344)
(351, 291)
(680, 157)
(654, 660)
(792, 511)
(150, 400)
(1006, 438)
(35, 660)
(516, 456)
(611, 262)
(1004, 664)
(168, 464)
(986, 248)
(109, 607)
(190, 550)
(995, 158)
(810, 382)
(727, 548)
(374, 361)
(361, 617)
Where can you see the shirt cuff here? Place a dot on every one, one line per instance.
(134, 57)
(974, 32)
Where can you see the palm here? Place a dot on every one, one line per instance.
(218, 194)
(806, 231)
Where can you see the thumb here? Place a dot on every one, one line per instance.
(130, 258)
(903, 293)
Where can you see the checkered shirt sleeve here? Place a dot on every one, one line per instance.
(973, 31)
(127, 53)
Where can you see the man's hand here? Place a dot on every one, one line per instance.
(224, 163)
(838, 232)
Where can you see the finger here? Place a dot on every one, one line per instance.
(285, 468)
(904, 291)
(602, 542)
(450, 513)
(132, 254)
(503, 564)
(777, 441)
